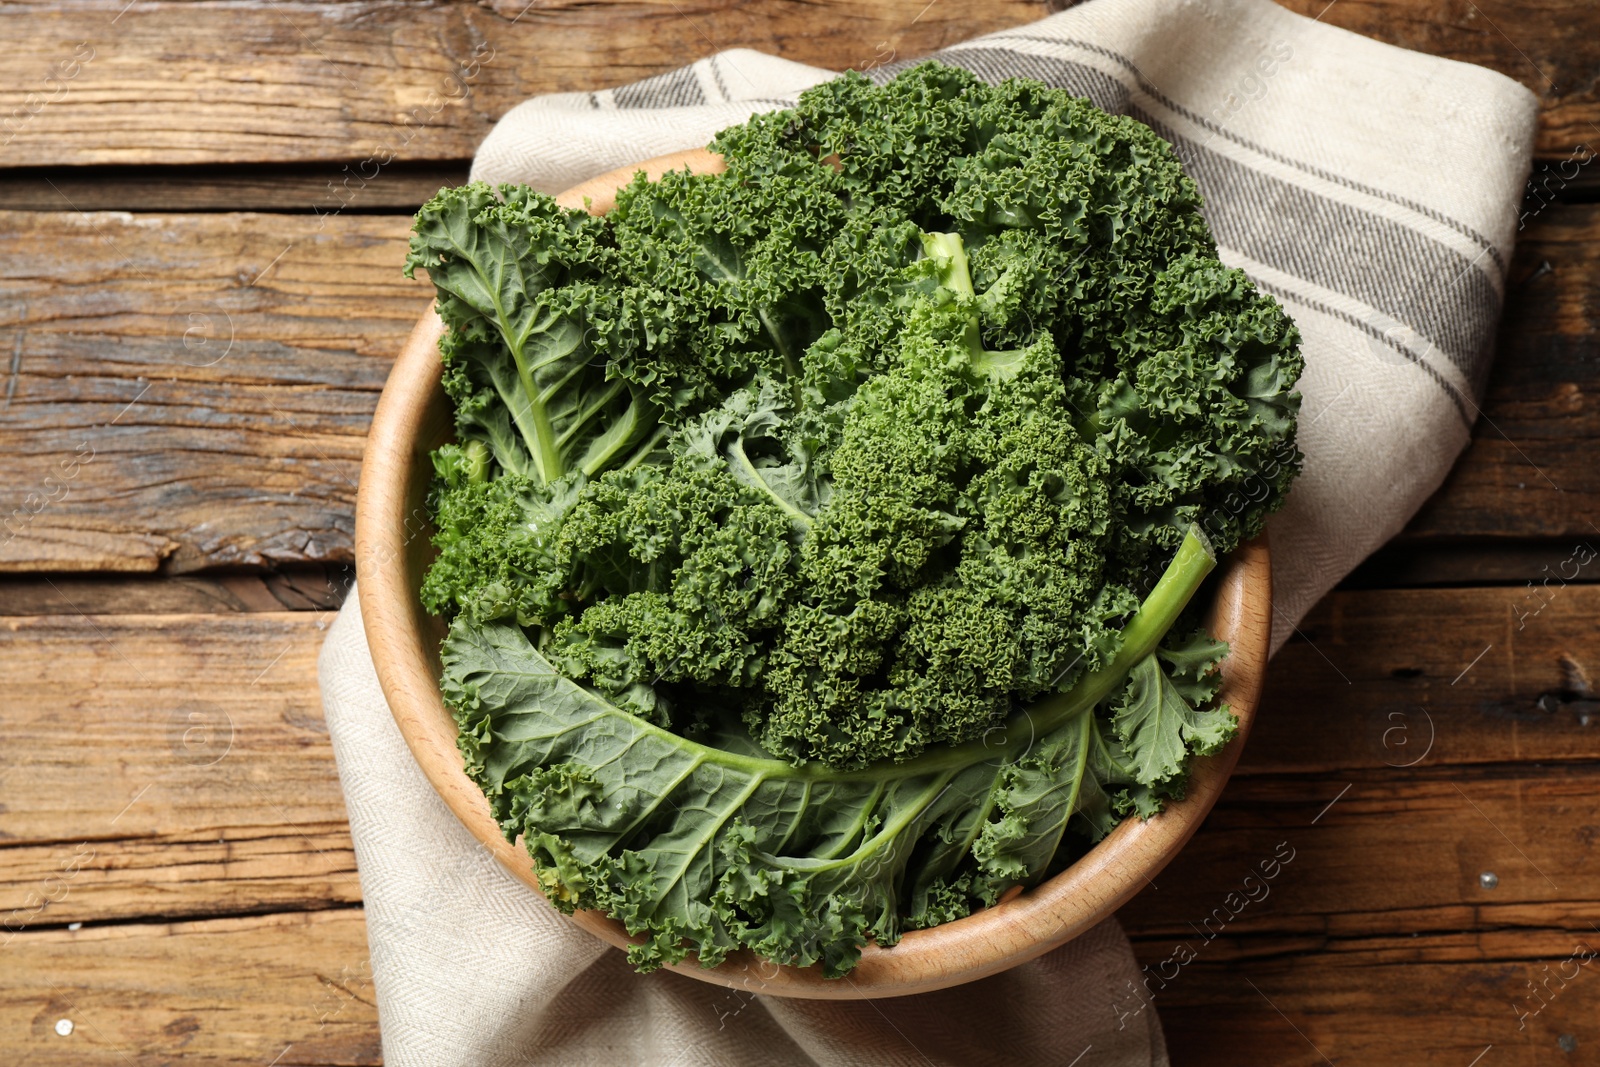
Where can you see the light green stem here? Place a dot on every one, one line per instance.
(1194, 560)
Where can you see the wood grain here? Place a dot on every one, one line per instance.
(304, 189)
(311, 587)
(1385, 1008)
(196, 778)
(1380, 679)
(152, 993)
(191, 391)
(342, 82)
(178, 724)
(1412, 562)
(273, 989)
(207, 871)
(1391, 856)
(172, 82)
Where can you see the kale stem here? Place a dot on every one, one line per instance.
(546, 455)
(546, 460)
(955, 275)
(649, 445)
(1194, 560)
(478, 462)
(746, 472)
(951, 252)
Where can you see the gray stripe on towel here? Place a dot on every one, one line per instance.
(1444, 296)
(676, 88)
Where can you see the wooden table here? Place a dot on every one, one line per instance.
(199, 297)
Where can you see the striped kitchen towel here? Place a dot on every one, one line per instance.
(1373, 191)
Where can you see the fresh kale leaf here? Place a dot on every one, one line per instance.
(775, 488)
(536, 321)
(1156, 720)
(709, 845)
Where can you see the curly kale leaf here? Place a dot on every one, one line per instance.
(954, 569)
(775, 488)
(754, 435)
(1156, 718)
(496, 541)
(535, 320)
(947, 523)
(708, 846)
(740, 267)
(698, 567)
(1077, 224)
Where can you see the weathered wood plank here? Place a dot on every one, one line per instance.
(284, 989)
(1410, 563)
(302, 588)
(300, 81)
(1311, 1010)
(1387, 856)
(147, 994)
(191, 390)
(167, 766)
(303, 189)
(133, 727)
(220, 870)
(1378, 680)
(94, 83)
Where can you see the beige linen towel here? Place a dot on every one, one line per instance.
(472, 968)
(1373, 191)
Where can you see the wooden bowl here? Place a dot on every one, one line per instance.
(393, 551)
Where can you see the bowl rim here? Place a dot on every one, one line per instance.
(412, 412)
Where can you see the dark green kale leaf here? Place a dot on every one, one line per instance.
(1156, 720)
(776, 490)
(528, 291)
(708, 846)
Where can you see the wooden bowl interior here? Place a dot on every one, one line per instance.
(393, 550)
